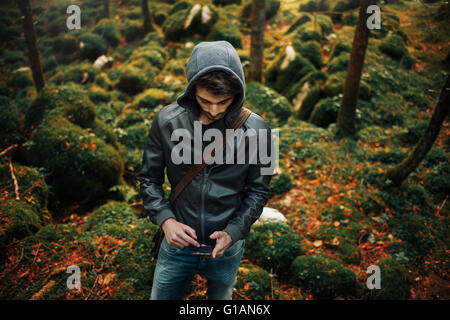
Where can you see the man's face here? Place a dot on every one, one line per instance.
(212, 106)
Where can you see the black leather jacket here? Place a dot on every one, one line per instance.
(222, 197)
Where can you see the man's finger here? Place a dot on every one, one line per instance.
(191, 232)
(188, 239)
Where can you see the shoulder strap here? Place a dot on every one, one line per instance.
(196, 168)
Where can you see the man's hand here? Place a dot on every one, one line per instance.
(178, 234)
(223, 242)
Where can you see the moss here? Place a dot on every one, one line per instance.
(253, 282)
(66, 44)
(310, 50)
(83, 167)
(226, 28)
(132, 80)
(105, 132)
(132, 30)
(20, 78)
(326, 23)
(437, 181)
(17, 220)
(175, 67)
(308, 103)
(393, 45)
(271, 8)
(302, 18)
(309, 31)
(435, 156)
(151, 98)
(108, 30)
(325, 112)
(74, 73)
(175, 26)
(267, 103)
(388, 156)
(31, 186)
(69, 101)
(281, 184)
(339, 63)
(323, 276)
(11, 123)
(98, 94)
(136, 136)
(281, 76)
(395, 281)
(93, 46)
(152, 52)
(273, 246)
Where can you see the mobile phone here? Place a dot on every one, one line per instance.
(204, 251)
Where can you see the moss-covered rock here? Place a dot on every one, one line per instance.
(253, 282)
(313, 96)
(195, 19)
(310, 50)
(91, 46)
(325, 112)
(136, 136)
(302, 18)
(286, 69)
(339, 63)
(83, 167)
(108, 30)
(226, 28)
(132, 30)
(152, 98)
(267, 103)
(11, 123)
(78, 73)
(66, 43)
(394, 46)
(152, 52)
(20, 78)
(281, 183)
(273, 246)
(69, 101)
(395, 281)
(323, 276)
(18, 219)
(132, 80)
(32, 187)
(309, 31)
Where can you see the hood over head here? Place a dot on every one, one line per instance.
(209, 56)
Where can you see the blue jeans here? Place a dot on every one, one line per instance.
(176, 267)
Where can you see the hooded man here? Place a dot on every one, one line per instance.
(218, 207)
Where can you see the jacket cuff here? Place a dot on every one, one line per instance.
(234, 233)
(163, 216)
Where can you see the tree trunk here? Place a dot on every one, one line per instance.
(30, 39)
(148, 23)
(258, 17)
(399, 173)
(346, 117)
(106, 8)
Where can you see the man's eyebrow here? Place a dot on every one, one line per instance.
(209, 101)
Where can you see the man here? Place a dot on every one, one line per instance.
(218, 207)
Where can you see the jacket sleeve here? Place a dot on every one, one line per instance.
(255, 198)
(151, 178)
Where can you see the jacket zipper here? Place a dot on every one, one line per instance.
(202, 205)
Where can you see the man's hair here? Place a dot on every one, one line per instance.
(219, 82)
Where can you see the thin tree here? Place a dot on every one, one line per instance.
(258, 17)
(400, 172)
(148, 21)
(106, 8)
(346, 116)
(30, 39)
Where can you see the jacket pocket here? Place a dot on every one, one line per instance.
(235, 249)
